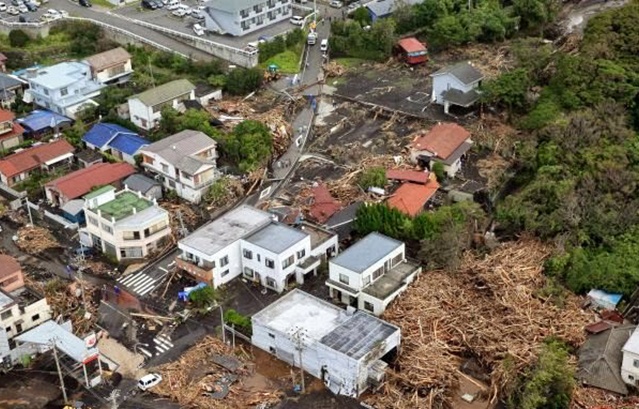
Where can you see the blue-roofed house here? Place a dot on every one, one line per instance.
(115, 140)
(65, 88)
(41, 122)
(385, 8)
(371, 273)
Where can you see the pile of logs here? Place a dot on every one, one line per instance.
(333, 69)
(489, 310)
(35, 240)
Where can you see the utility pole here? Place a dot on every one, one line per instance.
(57, 364)
(222, 321)
(29, 211)
(183, 230)
(80, 261)
(298, 336)
(113, 397)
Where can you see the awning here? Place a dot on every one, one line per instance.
(51, 334)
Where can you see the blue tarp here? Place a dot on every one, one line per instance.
(128, 143)
(41, 119)
(114, 136)
(604, 300)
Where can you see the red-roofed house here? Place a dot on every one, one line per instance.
(79, 183)
(413, 51)
(408, 176)
(324, 204)
(11, 277)
(10, 131)
(445, 143)
(410, 198)
(18, 166)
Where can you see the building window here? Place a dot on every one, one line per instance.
(301, 253)
(35, 317)
(7, 329)
(269, 263)
(272, 350)
(378, 273)
(632, 378)
(368, 306)
(107, 229)
(343, 278)
(92, 220)
(248, 254)
(271, 335)
(288, 262)
(7, 314)
(635, 363)
(271, 283)
(367, 280)
(248, 272)
(225, 273)
(165, 168)
(397, 259)
(258, 257)
(46, 91)
(64, 91)
(224, 261)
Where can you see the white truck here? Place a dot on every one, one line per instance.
(311, 39)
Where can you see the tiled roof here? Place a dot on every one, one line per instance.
(411, 45)
(108, 59)
(464, 71)
(407, 176)
(80, 182)
(128, 143)
(164, 92)
(34, 157)
(177, 150)
(8, 266)
(442, 140)
(324, 205)
(6, 115)
(116, 137)
(410, 198)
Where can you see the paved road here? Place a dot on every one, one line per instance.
(99, 14)
(142, 282)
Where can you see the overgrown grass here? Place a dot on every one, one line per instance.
(350, 62)
(103, 3)
(288, 61)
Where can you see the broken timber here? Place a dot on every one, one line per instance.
(383, 110)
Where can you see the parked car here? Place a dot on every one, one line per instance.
(149, 4)
(36, 2)
(16, 2)
(149, 381)
(31, 7)
(3, 7)
(13, 11)
(324, 45)
(23, 9)
(23, 19)
(297, 20)
(85, 3)
(336, 4)
(197, 14)
(182, 10)
(158, 3)
(173, 4)
(198, 29)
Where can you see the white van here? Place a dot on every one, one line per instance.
(324, 45)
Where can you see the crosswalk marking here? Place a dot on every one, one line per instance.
(162, 344)
(145, 352)
(139, 283)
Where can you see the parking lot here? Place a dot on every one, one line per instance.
(164, 18)
(30, 16)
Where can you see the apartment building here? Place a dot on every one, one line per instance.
(239, 18)
(145, 109)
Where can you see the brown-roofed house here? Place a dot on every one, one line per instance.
(410, 198)
(324, 204)
(445, 143)
(111, 67)
(46, 156)
(77, 184)
(10, 131)
(408, 176)
(3, 62)
(11, 277)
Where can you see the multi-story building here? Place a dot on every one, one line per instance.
(184, 162)
(111, 67)
(145, 109)
(11, 277)
(238, 18)
(124, 224)
(249, 242)
(371, 273)
(65, 88)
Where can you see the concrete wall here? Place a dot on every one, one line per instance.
(444, 82)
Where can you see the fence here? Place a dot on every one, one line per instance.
(61, 220)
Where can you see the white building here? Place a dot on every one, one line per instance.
(238, 18)
(184, 162)
(145, 109)
(347, 350)
(111, 67)
(247, 241)
(630, 362)
(124, 225)
(456, 85)
(371, 273)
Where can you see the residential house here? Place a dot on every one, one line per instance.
(150, 188)
(145, 109)
(371, 273)
(204, 93)
(184, 162)
(88, 157)
(250, 242)
(41, 122)
(415, 191)
(630, 360)
(324, 205)
(79, 183)
(456, 85)
(343, 222)
(11, 277)
(125, 224)
(111, 67)
(384, 8)
(11, 87)
(10, 131)
(348, 351)
(600, 360)
(115, 140)
(445, 143)
(73, 211)
(412, 50)
(3, 62)
(64, 88)
(45, 157)
(239, 18)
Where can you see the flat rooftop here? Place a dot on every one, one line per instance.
(391, 281)
(302, 310)
(276, 237)
(5, 300)
(232, 226)
(366, 252)
(318, 235)
(124, 205)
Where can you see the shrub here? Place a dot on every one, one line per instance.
(373, 177)
(203, 298)
(241, 322)
(18, 38)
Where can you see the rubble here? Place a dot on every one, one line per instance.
(593, 398)
(487, 310)
(35, 240)
(333, 69)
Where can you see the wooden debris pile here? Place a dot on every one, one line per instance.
(493, 169)
(35, 240)
(492, 131)
(489, 60)
(179, 210)
(593, 398)
(98, 268)
(487, 310)
(333, 69)
(188, 379)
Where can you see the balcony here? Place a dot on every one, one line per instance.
(395, 279)
(198, 272)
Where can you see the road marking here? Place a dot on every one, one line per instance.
(145, 352)
(139, 283)
(163, 269)
(162, 344)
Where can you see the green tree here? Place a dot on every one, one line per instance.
(373, 177)
(18, 38)
(243, 81)
(362, 16)
(249, 145)
(438, 170)
(536, 13)
(75, 133)
(241, 322)
(508, 90)
(203, 298)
